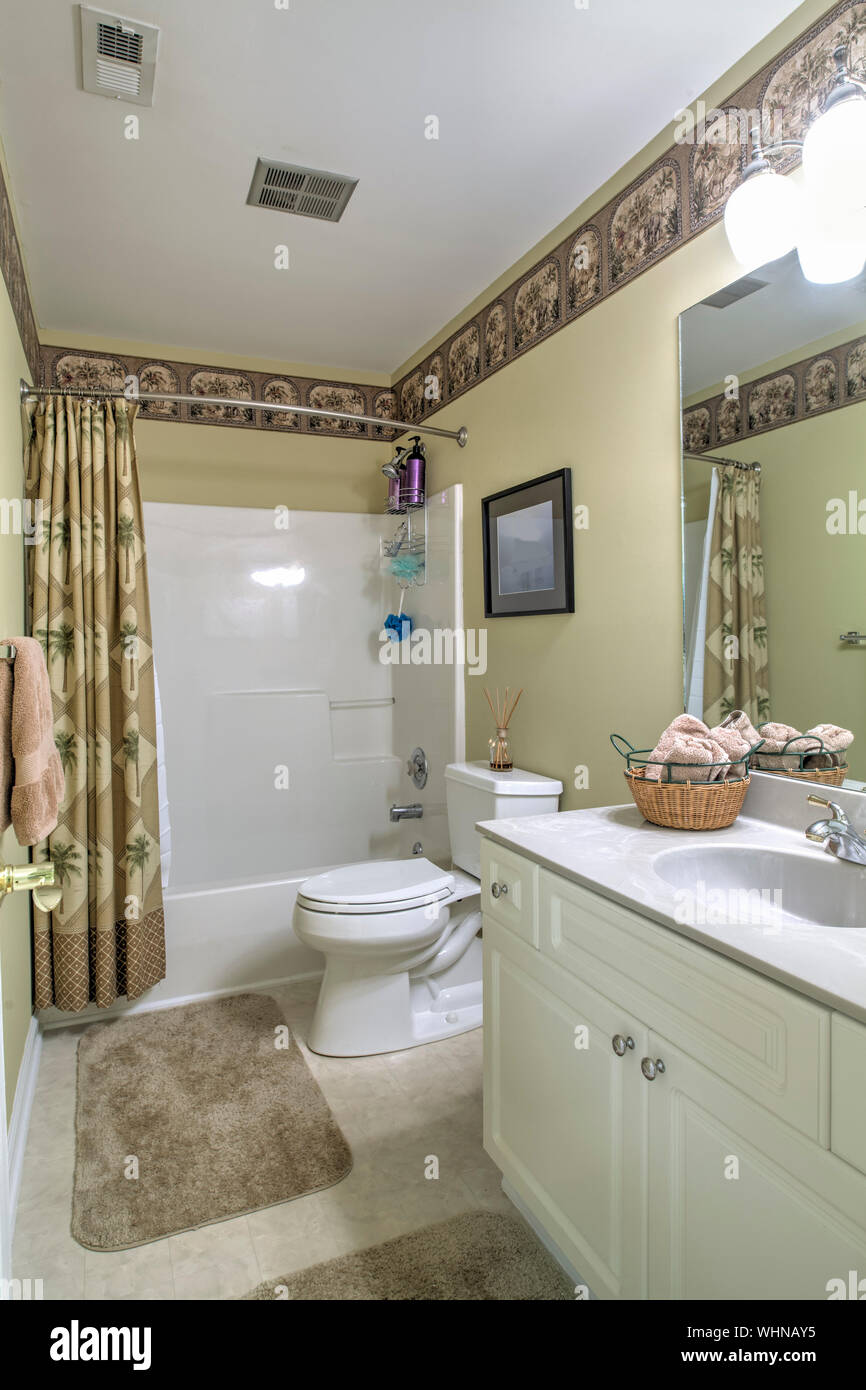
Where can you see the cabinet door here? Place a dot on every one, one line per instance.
(741, 1205)
(565, 1117)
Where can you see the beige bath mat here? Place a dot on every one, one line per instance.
(193, 1115)
(480, 1255)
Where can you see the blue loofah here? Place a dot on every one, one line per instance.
(398, 627)
(407, 568)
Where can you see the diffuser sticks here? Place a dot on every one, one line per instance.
(502, 711)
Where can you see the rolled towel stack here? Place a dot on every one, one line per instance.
(786, 749)
(836, 743)
(693, 752)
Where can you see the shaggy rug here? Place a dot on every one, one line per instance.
(193, 1115)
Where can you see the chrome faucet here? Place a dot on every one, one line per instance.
(413, 812)
(836, 833)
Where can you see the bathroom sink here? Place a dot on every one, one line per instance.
(749, 885)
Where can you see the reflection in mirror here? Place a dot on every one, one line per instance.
(774, 517)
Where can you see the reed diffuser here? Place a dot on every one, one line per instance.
(500, 746)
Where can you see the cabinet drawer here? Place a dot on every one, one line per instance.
(847, 1095)
(509, 890)
(764, 1039)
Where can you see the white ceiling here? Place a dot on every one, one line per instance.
(788, 314)
(539, 102)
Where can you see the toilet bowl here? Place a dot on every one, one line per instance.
(403, 962)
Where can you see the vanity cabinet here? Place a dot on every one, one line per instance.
(564, 1114)
(697, 1163)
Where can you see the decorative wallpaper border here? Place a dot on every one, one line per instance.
(674, 200)
(680, 195)
(813, 386)
(79, 368)
(12, 266)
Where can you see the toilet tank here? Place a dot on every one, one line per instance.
(475, 791)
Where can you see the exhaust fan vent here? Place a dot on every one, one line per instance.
(118, 56)
(307, 192)
(732, 294)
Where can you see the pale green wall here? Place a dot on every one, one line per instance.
(15, 968)
(220, 466)
(600, 397)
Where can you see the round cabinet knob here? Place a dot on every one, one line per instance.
(651, 1069)
(498, 889)
(621, 1044)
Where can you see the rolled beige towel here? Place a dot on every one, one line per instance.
(735, 747)
(740, 721)
(686, 740)
(784, 736)
(836, 741)
(39, 784)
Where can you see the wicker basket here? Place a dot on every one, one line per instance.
(682, 804)
(687, 805)
(830, 776)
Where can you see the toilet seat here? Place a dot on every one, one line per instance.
(377, 887)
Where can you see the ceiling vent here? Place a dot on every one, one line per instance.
(732, 294)
(118, 57)
(307, 192)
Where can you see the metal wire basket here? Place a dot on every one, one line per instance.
(689, 800)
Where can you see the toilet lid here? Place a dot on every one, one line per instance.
(384, 884)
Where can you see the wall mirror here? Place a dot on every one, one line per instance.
(773, 379)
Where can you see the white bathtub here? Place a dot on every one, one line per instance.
(220, 940)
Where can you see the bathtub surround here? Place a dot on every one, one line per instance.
(217, 1113)
(91, 610)
(481, 1255)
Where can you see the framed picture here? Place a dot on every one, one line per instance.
(528, 557)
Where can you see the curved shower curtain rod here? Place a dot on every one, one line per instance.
(27, 392)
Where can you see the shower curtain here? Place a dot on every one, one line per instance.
(735, 655)
(89, 607)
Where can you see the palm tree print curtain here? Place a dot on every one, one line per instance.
(735, 660)
(90, 609)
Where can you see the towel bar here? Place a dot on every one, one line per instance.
(8, 651)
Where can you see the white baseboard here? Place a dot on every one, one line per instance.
(50, 1019)
(549, 1244)
(22, 1107)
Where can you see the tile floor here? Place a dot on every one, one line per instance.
(395, 1110)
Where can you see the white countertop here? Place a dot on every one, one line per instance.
(611, 850)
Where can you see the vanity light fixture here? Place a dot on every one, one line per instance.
(767, 216)
(834, 150)
(762, 215)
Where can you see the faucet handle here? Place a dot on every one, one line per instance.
(837, 812)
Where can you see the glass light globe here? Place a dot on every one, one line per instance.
(762, 218)
(832, 243)
(834, 154)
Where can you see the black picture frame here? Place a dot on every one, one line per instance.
(516, 576)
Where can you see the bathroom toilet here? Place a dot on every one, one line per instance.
(400, 936)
